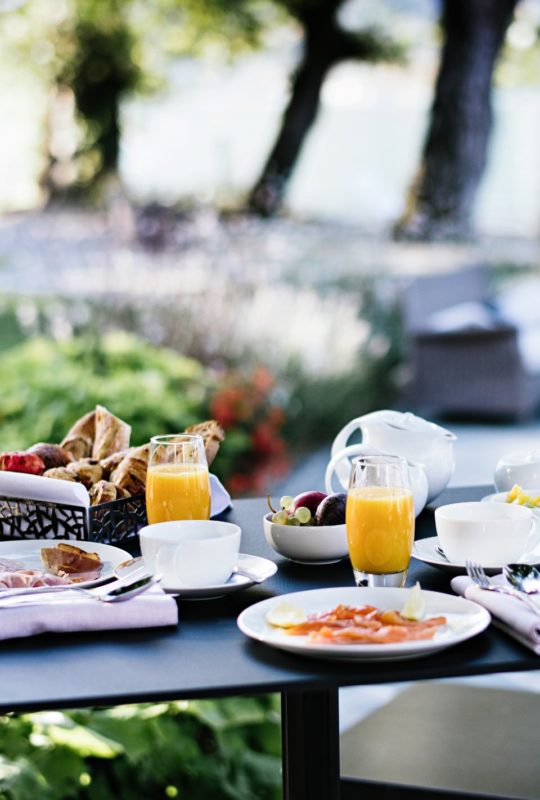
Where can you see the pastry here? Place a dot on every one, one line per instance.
(69, 561)
(212, 434)
(112, 434)
(130, 474)
(61, 474)
(79, 439)
(102, 492)
(87, 471)
(53, 455)
(111, 462)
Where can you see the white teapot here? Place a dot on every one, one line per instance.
(406, 435)
(341, 466)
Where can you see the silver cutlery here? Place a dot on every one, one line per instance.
(476, 573)
(113, 594)
(524, 577)
(68, 587)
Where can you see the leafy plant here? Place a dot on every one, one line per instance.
(204, 750)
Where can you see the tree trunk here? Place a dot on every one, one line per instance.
(442, 197)
(267, 195)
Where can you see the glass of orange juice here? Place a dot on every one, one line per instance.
(177, 481)
(380, 520)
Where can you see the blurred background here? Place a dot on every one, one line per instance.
(280, 214)
(225, 204)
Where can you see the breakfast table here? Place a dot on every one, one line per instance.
(208, 656)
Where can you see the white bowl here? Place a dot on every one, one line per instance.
(521, 468)
(307, 544)
(490, 533)
(501, 497)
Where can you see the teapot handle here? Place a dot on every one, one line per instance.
(340, 442)
(340, 463)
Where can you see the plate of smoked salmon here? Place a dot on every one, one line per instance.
(356, 624)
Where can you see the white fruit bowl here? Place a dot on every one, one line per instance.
(307, 544)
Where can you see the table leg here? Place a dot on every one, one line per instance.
(310, 740)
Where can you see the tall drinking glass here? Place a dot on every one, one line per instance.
(380, 520)
(177, 481)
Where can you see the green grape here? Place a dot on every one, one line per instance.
(293, 521)
(281, 518)
(303, 515)
(287, 502)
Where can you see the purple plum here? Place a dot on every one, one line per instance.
(332, 510)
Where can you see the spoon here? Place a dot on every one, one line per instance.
(524, 577)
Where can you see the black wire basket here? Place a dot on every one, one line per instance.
(110, 523)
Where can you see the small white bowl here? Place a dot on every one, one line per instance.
(490, 533)
(501, 497)
(521, 468)
(307, 544)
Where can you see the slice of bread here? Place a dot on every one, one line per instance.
(69, 560)
(212, 434)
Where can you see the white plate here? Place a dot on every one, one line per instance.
(464, 620)
(262, 567)
(426, 550)
(28, 551)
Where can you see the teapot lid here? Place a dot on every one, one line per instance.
(407, 421)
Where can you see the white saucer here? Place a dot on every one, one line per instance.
(426, 550)
(262, 567)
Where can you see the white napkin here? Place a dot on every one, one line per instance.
(509, 613)
(69, 612)
(220, 497)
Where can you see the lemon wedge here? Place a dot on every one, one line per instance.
(415, 605)
(285, 615)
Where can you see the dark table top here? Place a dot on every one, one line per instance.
(208, 656)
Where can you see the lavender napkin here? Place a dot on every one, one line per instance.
(68, 612)
(509, 614)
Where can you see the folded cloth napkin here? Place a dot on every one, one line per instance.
(68, 612)
(220, 497)
(509, 613)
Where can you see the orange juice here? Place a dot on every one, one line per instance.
(380, 528)
(177, 491)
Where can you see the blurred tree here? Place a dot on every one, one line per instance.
(325, 44)
(442, 196)
(98, 70)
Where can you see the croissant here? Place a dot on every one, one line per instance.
(112, 434)
(130, 474)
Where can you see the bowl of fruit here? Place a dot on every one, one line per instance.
(308, 528)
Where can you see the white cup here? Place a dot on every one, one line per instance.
(493, 534)
(191, 553)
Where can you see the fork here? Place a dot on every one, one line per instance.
(476, 572)
(114, 594)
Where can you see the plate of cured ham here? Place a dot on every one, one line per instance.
(55, 562)
(356, 624)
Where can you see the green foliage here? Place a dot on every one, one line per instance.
(204, 750)
(46, 386)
